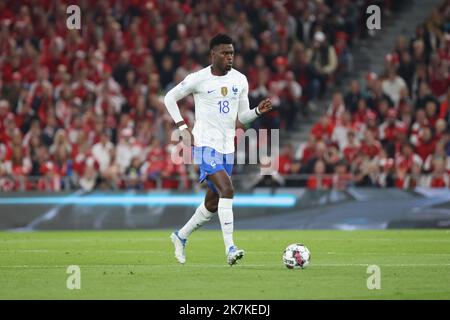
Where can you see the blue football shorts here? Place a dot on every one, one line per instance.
(211, 161)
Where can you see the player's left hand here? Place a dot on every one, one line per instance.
(265, 106)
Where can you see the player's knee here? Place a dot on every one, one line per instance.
(227, 192)
(211, 206)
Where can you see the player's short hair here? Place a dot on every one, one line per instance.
(220, 39)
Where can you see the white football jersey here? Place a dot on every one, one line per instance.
(218, 101)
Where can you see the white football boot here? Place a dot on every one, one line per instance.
(234, 254)
(179, 245)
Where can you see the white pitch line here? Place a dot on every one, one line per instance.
(224, 265)
(133, 251)
(93, 240)
(394, 254)
(134, 266)
(383, 265)
(200, 239)
(78, 251)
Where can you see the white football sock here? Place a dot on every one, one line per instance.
(199, 218)
(226, 221)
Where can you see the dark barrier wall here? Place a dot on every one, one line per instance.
(262, 209)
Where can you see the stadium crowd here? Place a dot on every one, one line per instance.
(83, 108)
(393, 131)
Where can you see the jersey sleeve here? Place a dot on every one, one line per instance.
(245, 114)
(181, 90)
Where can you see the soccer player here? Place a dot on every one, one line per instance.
(220, 95)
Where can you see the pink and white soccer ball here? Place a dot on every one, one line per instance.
(296, 256)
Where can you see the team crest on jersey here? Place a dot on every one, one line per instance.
(234, 89)
(224, 91)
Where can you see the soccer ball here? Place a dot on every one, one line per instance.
(296, 256)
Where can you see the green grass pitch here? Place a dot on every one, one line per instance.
(140, 265)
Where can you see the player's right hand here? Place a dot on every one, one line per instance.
(187, 137)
